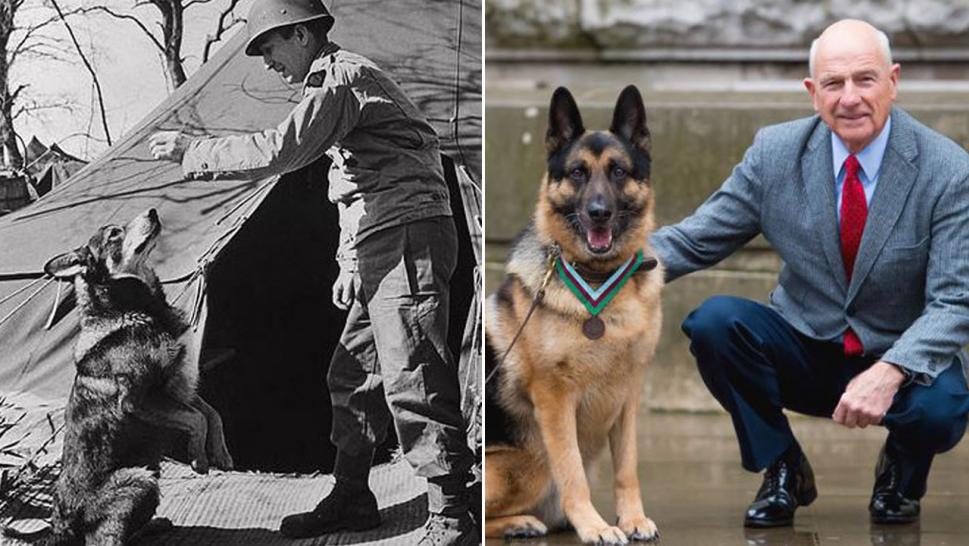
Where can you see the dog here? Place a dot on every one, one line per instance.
(133, 379)
(572, 379)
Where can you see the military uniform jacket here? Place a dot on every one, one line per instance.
(386, 165)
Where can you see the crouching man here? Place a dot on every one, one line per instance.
(867, 209)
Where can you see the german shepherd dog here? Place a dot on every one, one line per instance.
(132, 380)
(564, 388)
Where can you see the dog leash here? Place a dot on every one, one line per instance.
(554, 252)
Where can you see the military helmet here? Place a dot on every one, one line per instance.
(267, 15)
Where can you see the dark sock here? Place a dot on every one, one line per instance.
(909, 485)
(792, 454)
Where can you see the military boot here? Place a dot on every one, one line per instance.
(346, 508)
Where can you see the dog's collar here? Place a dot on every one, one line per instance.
(648, 263)
(596, 299)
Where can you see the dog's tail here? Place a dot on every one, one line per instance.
(123, 505)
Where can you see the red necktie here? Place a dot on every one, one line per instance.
(854, 211)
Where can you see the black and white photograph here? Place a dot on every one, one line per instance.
(240, 272)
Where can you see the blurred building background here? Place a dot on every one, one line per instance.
(712, 72)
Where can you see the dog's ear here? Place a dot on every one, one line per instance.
(564, 121)
(629, 119)
(69, 264)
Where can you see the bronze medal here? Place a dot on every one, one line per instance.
(596, 299)
(593, 328)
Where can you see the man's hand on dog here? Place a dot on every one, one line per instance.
(170, 145)
(868, 396)
(344, 290)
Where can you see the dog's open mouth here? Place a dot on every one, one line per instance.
(599, 239)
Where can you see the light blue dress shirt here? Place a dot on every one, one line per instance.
(870, 160)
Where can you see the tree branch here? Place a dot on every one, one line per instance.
(191, 3)
(94, 76)
(38, 51)
(88, 136)
(222, 27)
(32, 110)
(16, 93)
(30, 30)
(128, 17)
(51, 20)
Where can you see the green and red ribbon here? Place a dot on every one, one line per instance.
(596, 299)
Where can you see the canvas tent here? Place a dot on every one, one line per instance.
(49, 167)
(15, 191)
(251, 262)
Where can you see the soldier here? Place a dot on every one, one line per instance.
(397, 251)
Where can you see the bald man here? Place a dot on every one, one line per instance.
(867, 209)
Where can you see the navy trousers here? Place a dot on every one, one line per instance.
(756, 364)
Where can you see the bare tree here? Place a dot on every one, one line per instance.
(22, 42)
(31, 32)
(90, 69)
(8, 137)
(169, 44)
(227, 20)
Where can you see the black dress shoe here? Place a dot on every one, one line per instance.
(344, 509)
(788, 483)
(888, 505)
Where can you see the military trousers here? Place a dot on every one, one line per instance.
(392, 364)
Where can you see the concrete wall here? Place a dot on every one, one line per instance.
(644, 24)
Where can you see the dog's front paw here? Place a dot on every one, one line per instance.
(200, 465)
(223, 461)
(639, 529)
(526, 527)
(605, 536)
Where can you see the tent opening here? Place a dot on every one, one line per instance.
(271, 326)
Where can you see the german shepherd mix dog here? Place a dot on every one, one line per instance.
(132, 380)
(573, 378)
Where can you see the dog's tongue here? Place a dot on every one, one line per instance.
(599, 238)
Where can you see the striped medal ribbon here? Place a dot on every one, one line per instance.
(596, 299)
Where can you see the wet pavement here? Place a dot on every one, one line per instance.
(696, 491)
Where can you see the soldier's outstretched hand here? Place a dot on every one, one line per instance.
(170, 145)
